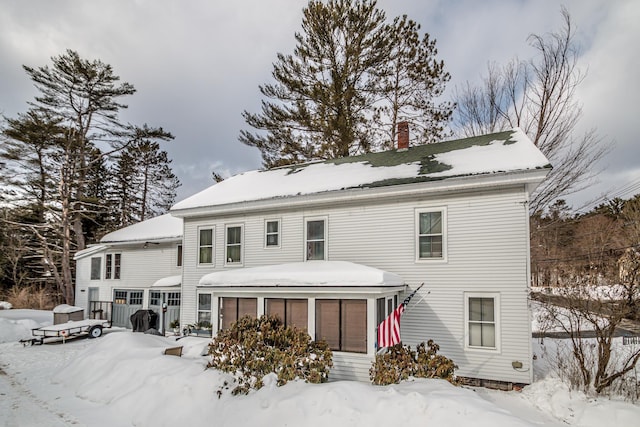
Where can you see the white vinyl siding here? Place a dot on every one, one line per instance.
(485, 246)
(149, 265)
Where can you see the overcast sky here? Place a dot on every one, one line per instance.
(197, 64)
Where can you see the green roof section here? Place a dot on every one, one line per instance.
(506, 152)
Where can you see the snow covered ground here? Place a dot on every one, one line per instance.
(124, 379)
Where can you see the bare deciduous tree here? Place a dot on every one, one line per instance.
(539, 96)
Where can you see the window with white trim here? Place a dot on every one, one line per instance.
(315, 239)
(482, 321)
(233, 243)
(96, 267)
(205, 245)
(155, 298)
(108, 266)
(204, 309)
(113, 265)
(272, 233)
(179, 256)
(430, 234)
(117, 264)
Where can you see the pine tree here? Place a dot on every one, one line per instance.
(145, 185)
(409, 81)
(333, 97)
(59, 155)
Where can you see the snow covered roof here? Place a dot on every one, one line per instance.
(89, 250)
(168, 281)
(310, 273)
(508, 151)
(158, 228)
(66, 309)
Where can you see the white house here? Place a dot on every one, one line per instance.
(333, 246)
(136, 267)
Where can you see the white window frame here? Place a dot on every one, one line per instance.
(210, 310)
(110, 265)
(213, 246)
(180, 254)
(496, 320)
(443, 213)
(228, 263)
(326, 236)
(91, 262)
(266, 233)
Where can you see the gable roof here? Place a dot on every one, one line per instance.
(504, 152)
(163, 227)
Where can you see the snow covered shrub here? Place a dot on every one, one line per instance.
(399, 363)
(252, 348)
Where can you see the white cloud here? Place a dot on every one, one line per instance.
(197, 64)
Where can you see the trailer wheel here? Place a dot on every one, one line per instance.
(95, 331)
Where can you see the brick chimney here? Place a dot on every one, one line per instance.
(403, 135)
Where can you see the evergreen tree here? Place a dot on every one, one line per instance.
(334, 96)
(145, 185)
(409, 81)
(58, 156)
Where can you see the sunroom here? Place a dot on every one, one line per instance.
(337, 301)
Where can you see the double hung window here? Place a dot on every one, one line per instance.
(315, 239)
(205, 245)
(482, 315)
(234, 244)
(431, 239)
(272, 233)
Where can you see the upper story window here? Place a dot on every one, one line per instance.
(205, 245)
(113, 266)
(272, 233)
(431, 238)
(316, 239)
(481, 313)
(96, 267)
(234, 244)
(117, 263)
(179, 256)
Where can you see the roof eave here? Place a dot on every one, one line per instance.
(142, 240)
(529, 177)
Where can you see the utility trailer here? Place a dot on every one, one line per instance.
(100, 318)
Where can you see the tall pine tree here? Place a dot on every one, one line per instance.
(57, 158)
(333, 97)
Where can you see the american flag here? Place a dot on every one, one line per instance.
(389, 329)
